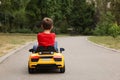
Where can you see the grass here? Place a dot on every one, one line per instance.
(107, 41)
(11, 41)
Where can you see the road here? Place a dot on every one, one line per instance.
(84, 61)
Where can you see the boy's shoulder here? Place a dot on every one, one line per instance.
(42, 33)
(53, 33)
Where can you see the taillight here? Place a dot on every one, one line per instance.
(57, 58)
(35, 58)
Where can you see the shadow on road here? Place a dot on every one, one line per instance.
(56, 71)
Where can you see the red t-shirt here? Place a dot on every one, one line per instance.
(45, 39)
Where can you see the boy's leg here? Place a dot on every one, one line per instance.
(35, 47)
(56, 46)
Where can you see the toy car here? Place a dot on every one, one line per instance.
(46, 58)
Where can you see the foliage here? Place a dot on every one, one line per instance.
(12, 15)
(18, 15)
(82, 16)
(106, 16)
(115, 9)
(104, 24)
(114, 30)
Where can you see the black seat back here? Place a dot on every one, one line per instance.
(45, 49)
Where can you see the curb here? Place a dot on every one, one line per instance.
(102, 46)
(2, 58)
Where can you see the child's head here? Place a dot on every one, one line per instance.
(47, 23)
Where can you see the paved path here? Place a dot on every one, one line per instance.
(84, 61)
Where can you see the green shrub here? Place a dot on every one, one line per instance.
(36, 30)
(104, 24)
(87, 31)
(24, 30)
(102, 29)
(114, 30)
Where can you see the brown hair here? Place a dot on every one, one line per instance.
(47, 23)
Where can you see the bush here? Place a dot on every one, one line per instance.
(88, 31)
(102, 29)
(24, 30)
(36, 30)
(114, 30)
(104, 24)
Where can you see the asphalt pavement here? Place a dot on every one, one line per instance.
(84, 61)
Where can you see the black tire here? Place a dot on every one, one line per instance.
(62, 70)
(31, 70)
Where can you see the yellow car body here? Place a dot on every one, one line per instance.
(46, 60)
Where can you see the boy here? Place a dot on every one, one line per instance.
(46, 38)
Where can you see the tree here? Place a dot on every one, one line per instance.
(13, 14)
(58, 10)
(82, 16)
(106, 16)
(22, 15)
(115, 9)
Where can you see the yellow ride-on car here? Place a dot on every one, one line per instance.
(46, 58)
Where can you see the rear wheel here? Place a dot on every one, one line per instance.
(31, 70)
(62, 70)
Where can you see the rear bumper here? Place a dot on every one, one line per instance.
(46, 66)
